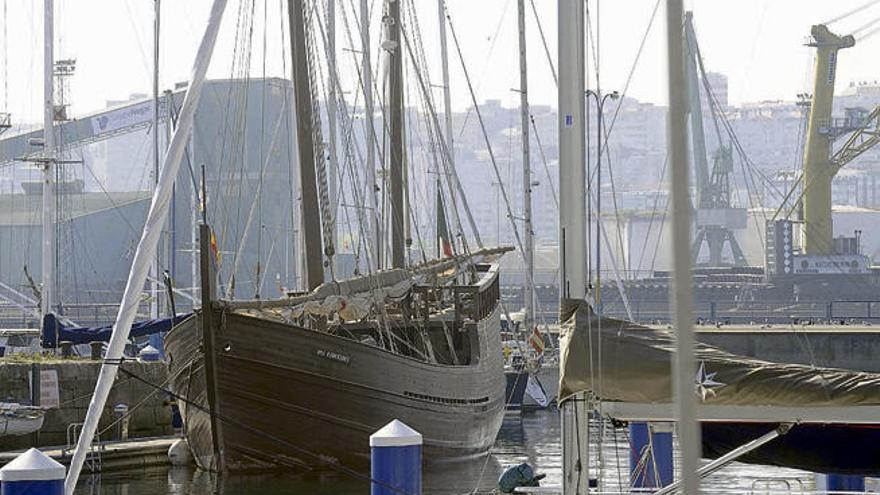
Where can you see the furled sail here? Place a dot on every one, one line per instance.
(628, 368)
(636, 363)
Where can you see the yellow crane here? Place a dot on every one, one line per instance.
(819, 169)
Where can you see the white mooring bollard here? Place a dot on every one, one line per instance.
(396, 460)
(32, 473)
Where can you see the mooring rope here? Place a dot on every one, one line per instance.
(322, 460)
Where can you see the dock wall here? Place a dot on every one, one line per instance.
(856, 349)
(76, 383)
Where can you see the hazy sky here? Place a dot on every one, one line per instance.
(757, 43)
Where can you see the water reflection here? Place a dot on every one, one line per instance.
(532, 438)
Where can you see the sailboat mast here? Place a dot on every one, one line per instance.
(572, 223)
(682, 278)
(447, 114)
(48, 248)
(528, 234)
(154, 267)
(572, 176)
(394, 107)
(372, 202)
(302, 110)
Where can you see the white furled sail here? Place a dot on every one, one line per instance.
(146, 249)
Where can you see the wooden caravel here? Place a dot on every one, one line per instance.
(284, 395)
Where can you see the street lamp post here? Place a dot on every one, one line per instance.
(600, 106)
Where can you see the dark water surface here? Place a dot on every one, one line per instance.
(532, 438)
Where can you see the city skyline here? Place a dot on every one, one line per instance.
(758, 44)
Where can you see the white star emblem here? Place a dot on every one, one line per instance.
(705, 384)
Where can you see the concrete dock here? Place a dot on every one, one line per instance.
(65, 387)
(854, 347)
(112, 456)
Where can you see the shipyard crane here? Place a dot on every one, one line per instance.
(821, 253)
(818, 168)
(820, 163)
(715, 219)
(865, 136)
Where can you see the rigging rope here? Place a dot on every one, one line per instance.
(850, 12)
(485, 135)
(544, 43)
(327, 219)
(323, 460)
(446, 153)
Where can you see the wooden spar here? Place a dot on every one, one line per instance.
(373, 242)
(302, 110)
(394, 106)
(208, 295)
(146, 248)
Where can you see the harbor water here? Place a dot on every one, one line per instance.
(532, 438)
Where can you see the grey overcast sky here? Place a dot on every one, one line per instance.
(757, 43)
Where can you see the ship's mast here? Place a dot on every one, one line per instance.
(684, 368)
(48, 247)
(394, 107)
(818, 169)
(302, 110)
(154, 267)
(331, 120)
(528, 237)
(447, 114)
(572, 176)
(372, 202)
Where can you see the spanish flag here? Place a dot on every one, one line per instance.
(217, 255)
(444, 243)
(536, 340)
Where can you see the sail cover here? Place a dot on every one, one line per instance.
(628, 366)
(54, 331)
(621, 361)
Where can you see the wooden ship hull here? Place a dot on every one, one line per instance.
(284, 395)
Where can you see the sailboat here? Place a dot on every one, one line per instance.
(726, 407)
(303, 380)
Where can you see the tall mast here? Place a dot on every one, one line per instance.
(195, 207)
(331, 118)
(572, 222)
(682, 279)
(572, 176)
(394, 107)
(447, 112)
(154, 267)
(528, 240)
(48, 248)
(302, 109)
(372, 202)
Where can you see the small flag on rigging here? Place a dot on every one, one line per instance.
(444, 243)
(214, 249)
(536, 340)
